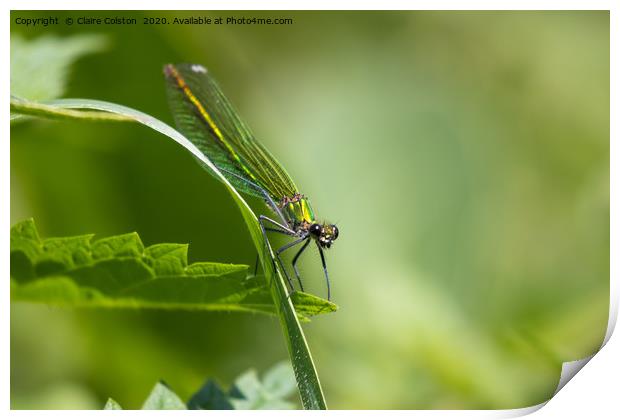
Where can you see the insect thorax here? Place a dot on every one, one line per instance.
(297, 210)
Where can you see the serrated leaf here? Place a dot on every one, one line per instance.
(167, 259)
(25, 238)
(40, 66)
(112, 405)
(162, 398)
(25, 248)
(59, 254)
(209, 269)
(25, 230)
(118, 272)
(209, 397)
(127, 245)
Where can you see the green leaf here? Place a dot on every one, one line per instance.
(248, 388)
(303, 365)
(128, 245)
(311, 305)
(279, 381)
(162, 398)
(21, 108)
(119, 272)
(40, 67)
(112, 405)
(249, 393)
(209, 397)
(27, 246)
(168, 259)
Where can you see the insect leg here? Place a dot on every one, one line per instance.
(268, 229)
(325, 271)
(280, 229)
(256, 265)
(295, 263)
(281, 250)
(285, 229)
(262, 219)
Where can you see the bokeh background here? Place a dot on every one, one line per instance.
(463, 155)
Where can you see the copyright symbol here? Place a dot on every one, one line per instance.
(69, 21)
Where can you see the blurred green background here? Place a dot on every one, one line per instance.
(463, 155)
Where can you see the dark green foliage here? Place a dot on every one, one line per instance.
(210, 397)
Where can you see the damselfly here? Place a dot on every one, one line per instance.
(207, 118)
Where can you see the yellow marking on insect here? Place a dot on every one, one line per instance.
(203, 112)
(305, 211)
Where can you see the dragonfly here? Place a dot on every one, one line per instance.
(205, 116)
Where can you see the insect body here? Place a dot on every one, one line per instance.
(206, 117)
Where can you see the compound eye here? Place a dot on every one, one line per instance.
(335, 231)
(315, 229)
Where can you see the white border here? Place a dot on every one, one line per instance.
(593, 393)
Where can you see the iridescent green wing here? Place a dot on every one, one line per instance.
(207, 118)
